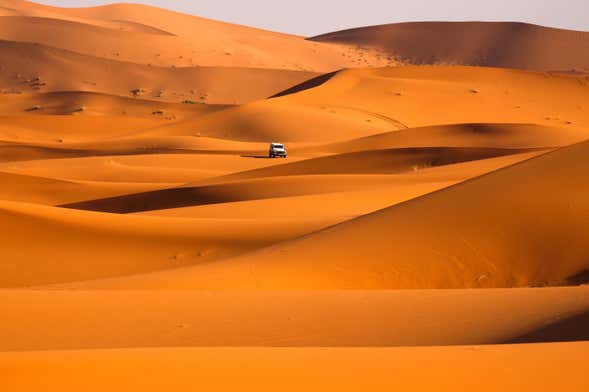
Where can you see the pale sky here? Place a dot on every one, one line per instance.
(313, 17)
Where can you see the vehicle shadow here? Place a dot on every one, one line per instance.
(256, 156)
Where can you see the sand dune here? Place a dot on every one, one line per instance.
(266, 120)
(431, 95)
(31, 67)
(133, 164)
(492, 44)
(89, 39)
(32, 128)
(337, 205)
(148, 35)
(435, 194)
(364, 102)
(59, 320)
(380, 161)
(74, 103)
(464, 135)
(311, 176)
(255, 189)
(476, 236)
(361, 196)
(50, 191)
(513, 368)
(111, 245)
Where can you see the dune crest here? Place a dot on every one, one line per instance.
(490, 44)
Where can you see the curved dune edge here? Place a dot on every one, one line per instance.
(166, 162)
(493, 44)
(306, 85)
(58, 320)
(513, 368)
(358, 103)
(350, 195)
(475, 236)
(132, 245)
(381, 161)
(488, 135)
(126, 32)
(74, 245)
(31, 67)
(279, 180)
(86, 105)
(43, 190)
(418, 96)
(59, 132)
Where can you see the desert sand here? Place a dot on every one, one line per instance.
(429, 229)
(491, 44)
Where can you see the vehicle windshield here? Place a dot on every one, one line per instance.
(277, 146)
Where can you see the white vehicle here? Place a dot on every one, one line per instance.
(277, 150)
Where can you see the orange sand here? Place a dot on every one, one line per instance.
(147, 243)
(481, 368)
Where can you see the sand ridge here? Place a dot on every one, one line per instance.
(488, 239)
(492, 44)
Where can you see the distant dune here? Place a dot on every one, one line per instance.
(147, 35)
(362, 102)
(31, 68)
(491, 44)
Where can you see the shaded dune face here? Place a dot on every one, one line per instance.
(428, 230)
(491, 44)
(372, 162)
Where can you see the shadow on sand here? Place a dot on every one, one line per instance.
(256, 156)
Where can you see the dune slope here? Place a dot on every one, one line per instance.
(148, 35)
(464, 135)
(525, 225)
(58, 320)
(74, 245)
(415, 96)
(357, 103)
(32, 67)
(492, 44)
(513, 368)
